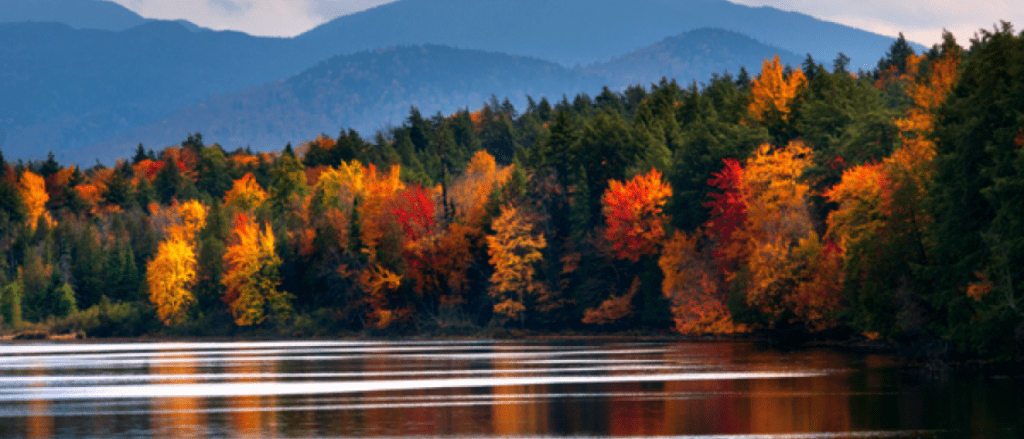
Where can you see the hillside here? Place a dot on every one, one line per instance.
(691, 56)
(66, 88)
(364, 91)
(371, 90)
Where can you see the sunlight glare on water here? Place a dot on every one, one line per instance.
(471, 388)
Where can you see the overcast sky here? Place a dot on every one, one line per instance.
(920, 20)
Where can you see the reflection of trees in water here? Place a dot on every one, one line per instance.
(179, 416)
(510, 415)
(418, 412)
(810, 404)
(247, 419)
(39, 424)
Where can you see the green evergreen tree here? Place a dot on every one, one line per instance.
(10, 303)
(977, 200)
(168, 182)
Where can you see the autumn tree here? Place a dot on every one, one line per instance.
(251, 280)
(245, 194)
(32, 189)
(772, 92)
(766, 239)
(694, 287)
(633, 215)
(172, 270)
(513, 251)
(470, 194)
(881, 222)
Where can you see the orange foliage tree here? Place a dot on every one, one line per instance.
(633, 214)
(775, 249)
(771, 93)
(379, 284)
(33, 195)
(377, 190)
(252, 279)
(513, 251)
(469, 195)
(245, 194)
(694, 288)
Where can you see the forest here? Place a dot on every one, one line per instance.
(886, 203)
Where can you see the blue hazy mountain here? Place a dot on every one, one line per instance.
(583, 32)
(65, 88)
(691, 56)
(371, 90)
(79, 14)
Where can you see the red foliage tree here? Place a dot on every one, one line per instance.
(414, 209)
(633, 214)
(728, 208)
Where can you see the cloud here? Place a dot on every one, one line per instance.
(920, 20)
(279, 18)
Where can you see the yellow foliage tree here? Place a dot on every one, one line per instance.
(379, 284)
(169, 275)
(378, 188)
(771, 93)
(252, 277)
(470, 194)
(777, 217)
(513, 251)
(33, 195)
(172, 270)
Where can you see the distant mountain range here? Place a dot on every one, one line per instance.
(88, 78)
(79, 14)
(583, 32)
(369, 90)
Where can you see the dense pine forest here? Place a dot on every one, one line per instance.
(887, 204)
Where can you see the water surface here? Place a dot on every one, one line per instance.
(563, 388)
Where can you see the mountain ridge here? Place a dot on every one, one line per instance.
(339, 93)
(70, 88)
(543, 29)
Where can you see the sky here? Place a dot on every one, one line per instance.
(919, 20)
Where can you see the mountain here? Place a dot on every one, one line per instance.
(365, 91)
(64, 88)
(691, 56)
(79, 14)
(583, 32)
(370, 90)
(74, 87)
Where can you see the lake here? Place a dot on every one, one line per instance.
(536, 388)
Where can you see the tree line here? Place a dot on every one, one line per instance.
(885, 201)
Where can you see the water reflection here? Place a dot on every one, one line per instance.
(40, 423)
(247, 417)
(576, 388)
(177, 416)
(515, 411)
